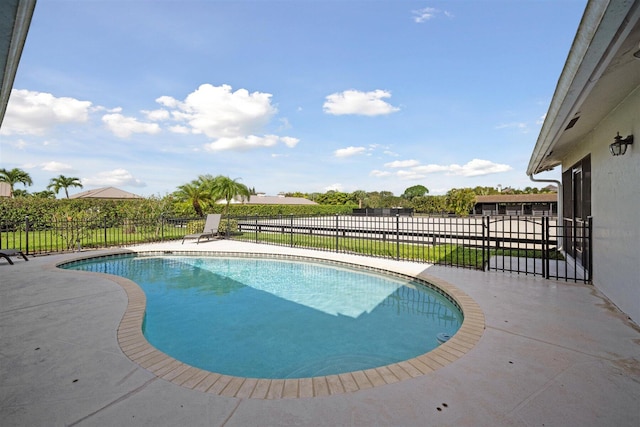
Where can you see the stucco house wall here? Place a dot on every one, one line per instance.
(615, 205)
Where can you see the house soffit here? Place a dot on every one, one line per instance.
(605, 76)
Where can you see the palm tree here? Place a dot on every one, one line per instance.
(18, 192)
(196, 193)
(359, 196)
(46, 194)
(14, 176)
(227, 189)
(63, 182)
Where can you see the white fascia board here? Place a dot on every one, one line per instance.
(603, 28)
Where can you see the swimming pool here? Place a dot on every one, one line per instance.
(267, 318)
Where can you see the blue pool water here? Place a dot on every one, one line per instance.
(267, 318)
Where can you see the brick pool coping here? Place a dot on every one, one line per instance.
(135, 346)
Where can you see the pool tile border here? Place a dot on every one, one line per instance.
(135, 346)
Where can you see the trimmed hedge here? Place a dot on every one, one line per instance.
(42, 211)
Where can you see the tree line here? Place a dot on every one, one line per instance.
(202, 195)
(18, 176)
(459, 201)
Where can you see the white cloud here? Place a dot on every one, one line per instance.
(402, 164)
(235, 120)
(514, 125)
(410, 175)
(241, 143)
(349, 151)
(168, 101)
(334, 187)
(56, 167)
(431, 168)
(101, 109)
(116, 177)
(34, 113)
(475, 167)
(179, 129)
(424, 14)
(156, 115)
(218, 112)
(360, 103)
(438, 191)
(428, 13)
(289, 141)
(123, 126)
(379, 173)
(284, 124)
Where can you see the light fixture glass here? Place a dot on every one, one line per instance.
(619, 146)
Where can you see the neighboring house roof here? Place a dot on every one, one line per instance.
(602, 69)
(518, 198)
(272, 200)
(279, 200)
(5, 189)
(15, 18)
(105, 193)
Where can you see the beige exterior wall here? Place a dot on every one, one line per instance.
(5, 189)
(615, 205)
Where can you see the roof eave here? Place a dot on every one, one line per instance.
(593, 48)
(21, 23)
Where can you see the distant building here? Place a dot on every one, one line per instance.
(108, 193)
(262, 199)
(542, 204)
(5, 189)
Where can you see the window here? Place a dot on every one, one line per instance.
(576, 183)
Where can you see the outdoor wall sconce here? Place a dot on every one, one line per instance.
(619, 146)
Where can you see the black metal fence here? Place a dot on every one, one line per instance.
(521, 244)
(383, 211)
(526, 245)
(70, 234)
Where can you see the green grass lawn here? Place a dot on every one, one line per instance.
(68, 238)
(447, 254)
(440, 254)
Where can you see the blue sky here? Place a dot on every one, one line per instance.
(304, 95)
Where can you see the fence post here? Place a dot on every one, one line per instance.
(589, 272)
(336, 232)
(256, 229)
(162, 227)
(79, 231)
(291, 230)
(546, 236)
(397, 236)
(26, 230)
(574, 238)
(485, 253)
(106, 242)
(488, 248)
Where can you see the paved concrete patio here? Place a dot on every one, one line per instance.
(552, 354)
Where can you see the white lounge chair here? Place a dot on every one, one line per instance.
(210, 229)
(6, 253)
